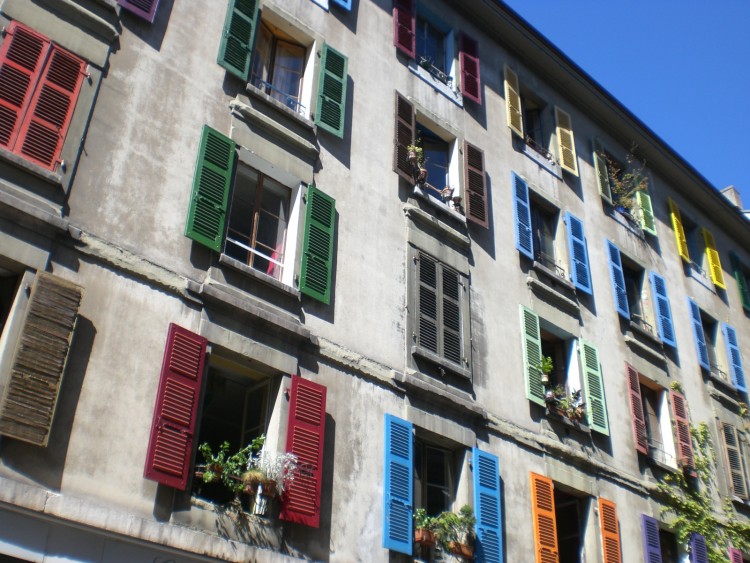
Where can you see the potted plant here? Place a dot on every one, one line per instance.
(546, 366)
(455, 532)
(268, 474)
(424, 528)
(625, 181)
(571, 406)
(417, 160)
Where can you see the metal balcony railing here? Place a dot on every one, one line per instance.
(549, 262)
(275, 93)
(435, 72)
(657, 452)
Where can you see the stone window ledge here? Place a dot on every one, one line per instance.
(259, 276)
(554, 296)
(54, 178)
(441, 363)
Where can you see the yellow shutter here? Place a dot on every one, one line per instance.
(566, 142)
(602, 173)
(543, 510)
(679, 231)
(513, 102)
(714, 263)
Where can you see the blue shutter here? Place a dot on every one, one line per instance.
(618, 281)
(579, 256)
(398, 487)
(735, 358)
(698, 549)
(663, 312)
(522, 213)
(700, 337)
(651, 543)
(346, 4)
(487, 506)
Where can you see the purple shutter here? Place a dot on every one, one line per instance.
(471, 83)
(651, 543)
(145, 9)
(405, 27)
(698, 549)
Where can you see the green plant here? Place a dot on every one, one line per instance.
(423, 520)
(625, 181)
(546, 365)
(676, 386)
(418, 152)
(452, 527)
(225, 467)
(570, 405)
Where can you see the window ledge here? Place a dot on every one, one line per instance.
(440, 392)
(578, 425)
(257, 275)
(550, 166)
(444, 89)
(627, 220)
(289, 112)
(54, 178)
(424, 218)
(652, 338)
(645, 350)
(553, 295)
(441, 362)
(439, 205)
(553, 276)
(660, 464)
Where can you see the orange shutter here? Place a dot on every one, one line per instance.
(610, 531)
(543, 511)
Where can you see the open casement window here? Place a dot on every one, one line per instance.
(593, 388)
(741, 278)
(514, 110)
(698, 549)
(699, 335)
(645, 213)
(488, 507)
(566, 141)
(610, 530)
(398, 488)
(545, 524)
(579, 255)
(28, 403)
(617, 277)
(602, 172)
(476, 186)
(662, 310)
(682, 429)
(735, 460)
(735, 357)
(471, 83)
(145, 9)
(714, 263)
(679, 231)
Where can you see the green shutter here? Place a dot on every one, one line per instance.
(330, 110)
(739, 276)
(532, 355)
(237, 37)
(593, 388)
(602, 172)
(214, 171)
(646, 213)
(317, 246)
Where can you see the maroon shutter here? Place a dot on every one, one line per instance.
(471, 85)
(404, 27)
(476, 185)
(173, 427)
(735, 555)
(304, 438)
(636, 409)
(405, 132)
(145, 9)
(682, 422)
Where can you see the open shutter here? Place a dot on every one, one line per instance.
(593, 388)
(398, 532)
(237, 37)
(618, 281)
(739, 276)
(610, 531)
(331, 103)
(428, 324)
(735, 358)
(698, 549)
(679, 231)
(471, 83)
(532, 355)
(566, 142)
(405, 27)
(714, 263)
(317, 246)
(735, 555)
(602, 172)
(698, 335)
(579, 256)
(522, 213)
(305, 437)
(38, 366)
(212, 179)
(663, 311)
(488, 507)
(476, 186)
(145, 9)
(734, 461)
(651, 542)
(345, 4)
(645, 213)
(543, 512)
(513, 107)
(640, 434)
(173, 428)
(682, 424)
(405, 134)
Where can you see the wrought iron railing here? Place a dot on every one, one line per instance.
(641, 323)
(426, 63)
(549, 262)
(720, 374)
(289, 101)
(538, 148)
(657, 452)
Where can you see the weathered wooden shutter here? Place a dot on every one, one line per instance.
(468, 58)
(618, 281)
(305, 439)
(545, 525)
(735, 556)
(735, 357)
(331, 103)
(714, 262)
(532, 355)
(405, 132)
(145, 9)
(317, 246)
(566, 141)
(593, 388)
(476, 186)
(237, 37)
(173, 428)
(487, 505)
(522, 215)
(640, 434)
(679, 231)
(212, 180)
(682, 424)
(735, 463)
(739, 276)
(645, 213)
(663, 311)
(41, 354)
(514, 111)
(398, 487)
(602, 172)
(405, 27)
(698, 549)
(610, 531)
(428, 306)
(698, 335)
(651, 541)
(451, 289)
(579, 256)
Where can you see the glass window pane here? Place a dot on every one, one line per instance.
(261, 56)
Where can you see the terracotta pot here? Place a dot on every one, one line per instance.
(462, 550)
(268, 487)
(425, 537)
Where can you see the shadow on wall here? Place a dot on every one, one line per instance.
(150, 33)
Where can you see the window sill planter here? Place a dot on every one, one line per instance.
(425, 537)
(462, 550)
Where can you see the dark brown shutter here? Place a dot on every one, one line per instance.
(640, 435)
(682, 423)
(476, 186)
(404, 27)
(404, 136)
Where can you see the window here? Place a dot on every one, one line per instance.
(437, 155)
(433, 42)
(145, 9)
(570, 514)
(278, 66)
(434, 478)
(735, 450)
(543, 228)
(659, 545)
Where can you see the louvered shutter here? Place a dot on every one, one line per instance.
(398, 487)
(734, 461)
(651, 542)
(345, 4)
(173, 427)
(640, 433)
(566, 142)
(522, 214)
(618, 281)
(682, 424)
(212, 179)
(698, 335)
(405, 131)
(488, 508)
(679, 231)
(579, 256)
(714, 262)
(593, 388)
(735, 556)
(735, 358)
(663, 311)
(39, 360)
(305, 438)
(645, 213)
(476, 186)
(471, 83)
(450, 310)
(331, 102)
(739, 276)
(602, 172)
(145, 9)
(405, 27)
(532, 355)
(514, 111)
(317, 246)
(545, 526)
(237, 37)
(698, 549)
(610, 531)
(428, 324)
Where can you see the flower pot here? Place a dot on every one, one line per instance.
(422, 176)
(425, 537)
(412, 158)
(545, 378)
(461, 550)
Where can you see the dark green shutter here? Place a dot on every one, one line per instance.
(739, 276)
(237, 37)
(331, 105)
(532, 355)
(214, 170)
(317, 246)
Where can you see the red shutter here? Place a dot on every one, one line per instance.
(471, 84)
(684, 441)
(636, 409)
(304, 438)
(173, 427)
(476, 185)
(404, 27)
(404, 136)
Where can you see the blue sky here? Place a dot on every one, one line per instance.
(681, 66)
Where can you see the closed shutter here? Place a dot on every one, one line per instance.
(618, 281)
(305, 438)
(471, 83)
(682, 424)
(28, 406)
(451, 290)
(331, 102)
(514, 111)
(663, 311)
(593, 388)
(532, 356)
(698, 549)
(173, 428)
(237, 37)
(610, 531)
(345, 4)
(398, 487)
(602, 172)
(428, 324)
(579, 256)
(739, 276)
(476, 186)
(317, 246)
(735, 358)
(522, 214)
(735, 556)
(679, 231)
(405, 132)
(645, 213)
(145, 9)
(488, 507)
(212, 179)
(566, 142)
(545, 526)
(405, 27)
(698, 335)
(651, 542)
(640, 434)
(735, 461)
(714, 263)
